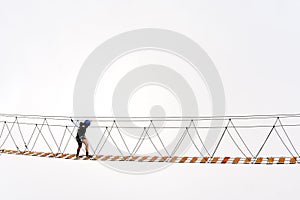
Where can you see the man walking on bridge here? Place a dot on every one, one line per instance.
(81, 138)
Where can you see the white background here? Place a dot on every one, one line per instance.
(254, 45)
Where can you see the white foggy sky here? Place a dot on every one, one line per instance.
(254, 45)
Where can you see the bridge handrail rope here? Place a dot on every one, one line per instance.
(58, 143)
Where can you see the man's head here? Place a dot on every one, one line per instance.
(87, 122)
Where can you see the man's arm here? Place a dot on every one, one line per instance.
(74, 123)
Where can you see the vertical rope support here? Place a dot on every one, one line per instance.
(266, 139)
(219, 142)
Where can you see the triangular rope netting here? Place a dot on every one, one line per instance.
(239, 139)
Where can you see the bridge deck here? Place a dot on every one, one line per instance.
(203, 160)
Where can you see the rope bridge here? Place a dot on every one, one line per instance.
(248, 139)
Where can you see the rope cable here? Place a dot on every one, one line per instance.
(71, 135)
(31, 135)
(9, 134)
(193, 142)
(109, 135)
(21, 134)
(266, 139)
(100, 140)
(108, 132)
(122, 138)
(283, 142)
(241, 138)
(2, 130)
(200, 138)
(160, 138)
(220, 139)
(179, 143)
(180, 140)
(236, 143)
(40, 131)
(61, 141)
(288, 137)
(153, 144)
(142, 140)
(58, 148)
(38, 134)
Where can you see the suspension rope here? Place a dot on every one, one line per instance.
(179, 143)
(288, 137)
(138, 142)
(109, 135)
(220, 139)
(58, 148)
(31, 135)
(122, 138)
(146, 133)
(61, 141)
(108, 132)
(100, 140)
(266, 139)
(193, 142)
(180, 140)
(21, 133)
(200, 138)
(283, 142)
(159, 138)
(2, 130)
(241, 138)
(169, 127)
(153, 144)
(71, 135)
(9, 134)
(38, 133)
(142, 140)
(269, 116)
(235, 143)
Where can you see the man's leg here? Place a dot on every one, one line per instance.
(85, 141)
(78, 149)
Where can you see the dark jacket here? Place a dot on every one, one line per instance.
(81, 130)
